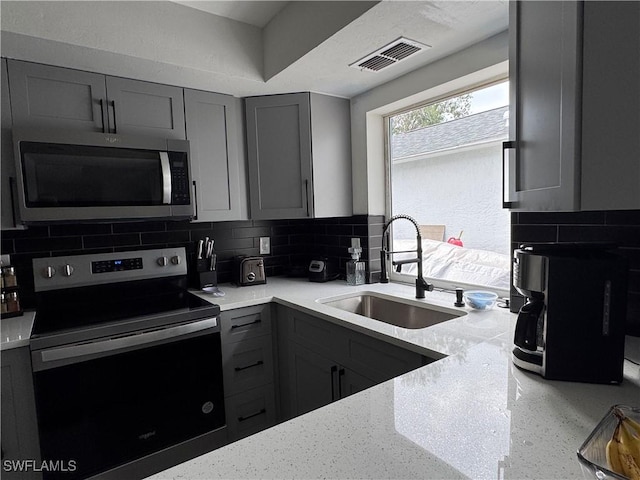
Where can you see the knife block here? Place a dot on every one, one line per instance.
(207, 279)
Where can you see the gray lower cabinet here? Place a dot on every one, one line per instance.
(299, 156)
(575, 106)
(56, 97)
(321, 362)
(214, 131)
(248, 370)
(19, 426)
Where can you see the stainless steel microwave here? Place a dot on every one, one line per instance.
(74, 176)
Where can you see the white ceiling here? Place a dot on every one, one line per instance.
(269, 47)
(254, 12)
(446, 26)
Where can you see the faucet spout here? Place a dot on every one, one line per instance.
(422, 285)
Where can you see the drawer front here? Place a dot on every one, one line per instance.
(244, 323)
(250, 412)
(247, 364)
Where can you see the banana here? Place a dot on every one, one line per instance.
(630, 442)
(629, 465)
(623, 449)
(613, 454)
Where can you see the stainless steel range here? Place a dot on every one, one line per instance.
(127, 364)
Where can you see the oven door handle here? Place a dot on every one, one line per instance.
(120, 343)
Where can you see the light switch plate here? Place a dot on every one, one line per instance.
(265, 245)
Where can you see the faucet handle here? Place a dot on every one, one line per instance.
(459, 302)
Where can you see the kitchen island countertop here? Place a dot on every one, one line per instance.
(470, 414)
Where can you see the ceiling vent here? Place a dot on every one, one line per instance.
(390, 54)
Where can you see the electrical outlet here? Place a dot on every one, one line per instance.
(265, 245)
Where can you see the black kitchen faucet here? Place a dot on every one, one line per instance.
(421, 284)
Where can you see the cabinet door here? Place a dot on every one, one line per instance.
(46, 96)
(8, 167)
(544, 114)
(312, 380)
(350, 382)
(19, 428)
(611, 106)
(212, 131)
(279, 156)
(145, 108)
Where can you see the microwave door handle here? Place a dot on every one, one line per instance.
(166, 178)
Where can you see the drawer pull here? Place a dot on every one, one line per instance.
(246, 324)
(242, 419)
(258, 363)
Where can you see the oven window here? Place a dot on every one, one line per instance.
(83, 176)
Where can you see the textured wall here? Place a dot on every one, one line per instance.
(461, 191)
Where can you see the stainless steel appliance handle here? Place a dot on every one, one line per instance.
(166, 178)
(120, 343)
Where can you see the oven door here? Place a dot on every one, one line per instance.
(106, 403)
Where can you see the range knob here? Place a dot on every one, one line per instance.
(162, 261)
(48, 272)
(67, 270)
(176, 260)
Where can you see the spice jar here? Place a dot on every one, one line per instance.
(13, 303)
(4, 307)
(9, 277)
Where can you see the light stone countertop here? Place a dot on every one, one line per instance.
(472, 414)
(16, 331)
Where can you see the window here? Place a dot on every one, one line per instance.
(445, 171)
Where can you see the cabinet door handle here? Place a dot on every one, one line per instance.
(104, 124)
(341, 373)
(334, 369)
(506, 179)
(115, 125)
(260, 412)
(195, 200)
(306, 193)
(247, 324)
(257, 364)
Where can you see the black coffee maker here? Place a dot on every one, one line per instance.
(572, 326)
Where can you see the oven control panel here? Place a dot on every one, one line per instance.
(116, 265)
(53, 273)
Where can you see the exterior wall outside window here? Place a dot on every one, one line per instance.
(459, 189)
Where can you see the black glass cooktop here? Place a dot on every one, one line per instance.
(83, 307)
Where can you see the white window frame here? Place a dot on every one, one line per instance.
(410, 279)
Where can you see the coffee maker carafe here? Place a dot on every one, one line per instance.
(572, 324)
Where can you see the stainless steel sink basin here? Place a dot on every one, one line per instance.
(401, 313)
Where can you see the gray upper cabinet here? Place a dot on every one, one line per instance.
(611, 107)
(299, 156)
(214, 130)
(6, 155)
(48, 96)
(145, 108)
(575, 106)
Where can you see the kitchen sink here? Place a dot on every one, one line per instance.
(399, 312)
